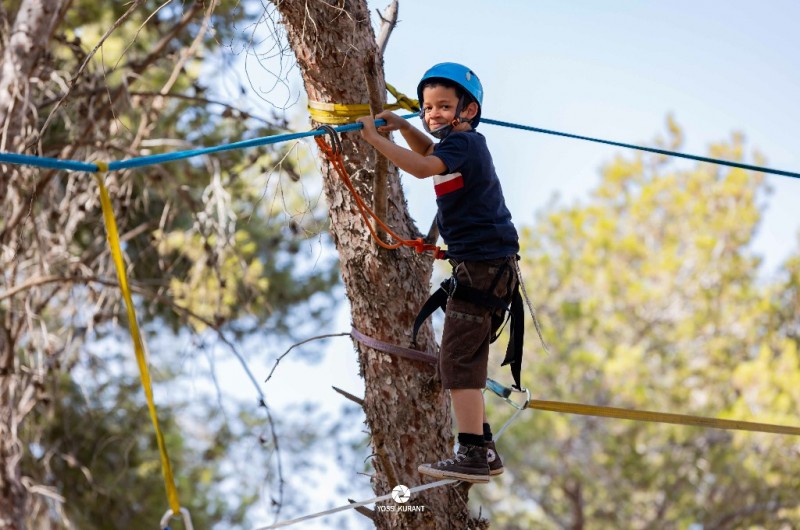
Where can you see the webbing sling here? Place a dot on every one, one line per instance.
(450, 288)
(517, 331)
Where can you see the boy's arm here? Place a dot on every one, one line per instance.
(416, 139)
(417, 164)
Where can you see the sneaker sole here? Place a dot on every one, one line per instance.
(495, 472)
(466, 477)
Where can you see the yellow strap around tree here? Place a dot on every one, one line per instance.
(339, 114)
(138, 344)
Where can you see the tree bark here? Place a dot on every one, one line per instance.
(407, 412)
(24, 43)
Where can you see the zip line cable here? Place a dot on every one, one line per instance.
(642, 148)
(141, 161)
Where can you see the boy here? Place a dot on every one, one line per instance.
(482, 244)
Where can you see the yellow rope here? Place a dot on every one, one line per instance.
(403, 101)
(138, 344)
(660, 417)
(338, 113)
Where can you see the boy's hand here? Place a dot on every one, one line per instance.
(393, 122)
(369, 131)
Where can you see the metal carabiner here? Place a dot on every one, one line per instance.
(336, 141)
(505, 392)
(187, 519)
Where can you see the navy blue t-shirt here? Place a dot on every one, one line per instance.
(473, 218)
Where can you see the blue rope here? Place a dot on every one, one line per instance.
(74, 165)
(648, 149)
(52, 163)
(244, 144)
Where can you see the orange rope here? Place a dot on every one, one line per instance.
(336, 160)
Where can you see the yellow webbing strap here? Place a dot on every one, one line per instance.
(338, 113)
(403, 101)
(660, 417)
(138, 345)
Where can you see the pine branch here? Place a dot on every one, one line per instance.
(358, 401)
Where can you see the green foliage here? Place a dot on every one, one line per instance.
(235, 241)
(650, 299)
(220, 234)
(95, 448)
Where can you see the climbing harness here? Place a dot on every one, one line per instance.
(512, 311)
(334, 155)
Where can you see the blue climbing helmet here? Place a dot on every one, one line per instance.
(457, 74)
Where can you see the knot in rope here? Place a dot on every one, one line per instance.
(421, 246)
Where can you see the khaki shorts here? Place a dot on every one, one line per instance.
(468, 328)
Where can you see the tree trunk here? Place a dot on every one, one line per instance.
(407, 412)
(24, 43)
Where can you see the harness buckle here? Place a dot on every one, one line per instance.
(452, 286)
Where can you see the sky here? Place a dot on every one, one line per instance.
(612, 70)
(615, 70)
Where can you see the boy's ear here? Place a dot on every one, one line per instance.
(470, 111)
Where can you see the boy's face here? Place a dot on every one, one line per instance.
(439, 103)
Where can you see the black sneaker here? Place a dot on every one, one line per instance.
(495, 464)
(469, 464)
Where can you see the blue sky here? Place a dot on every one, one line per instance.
(610, 69)
(615, 70)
